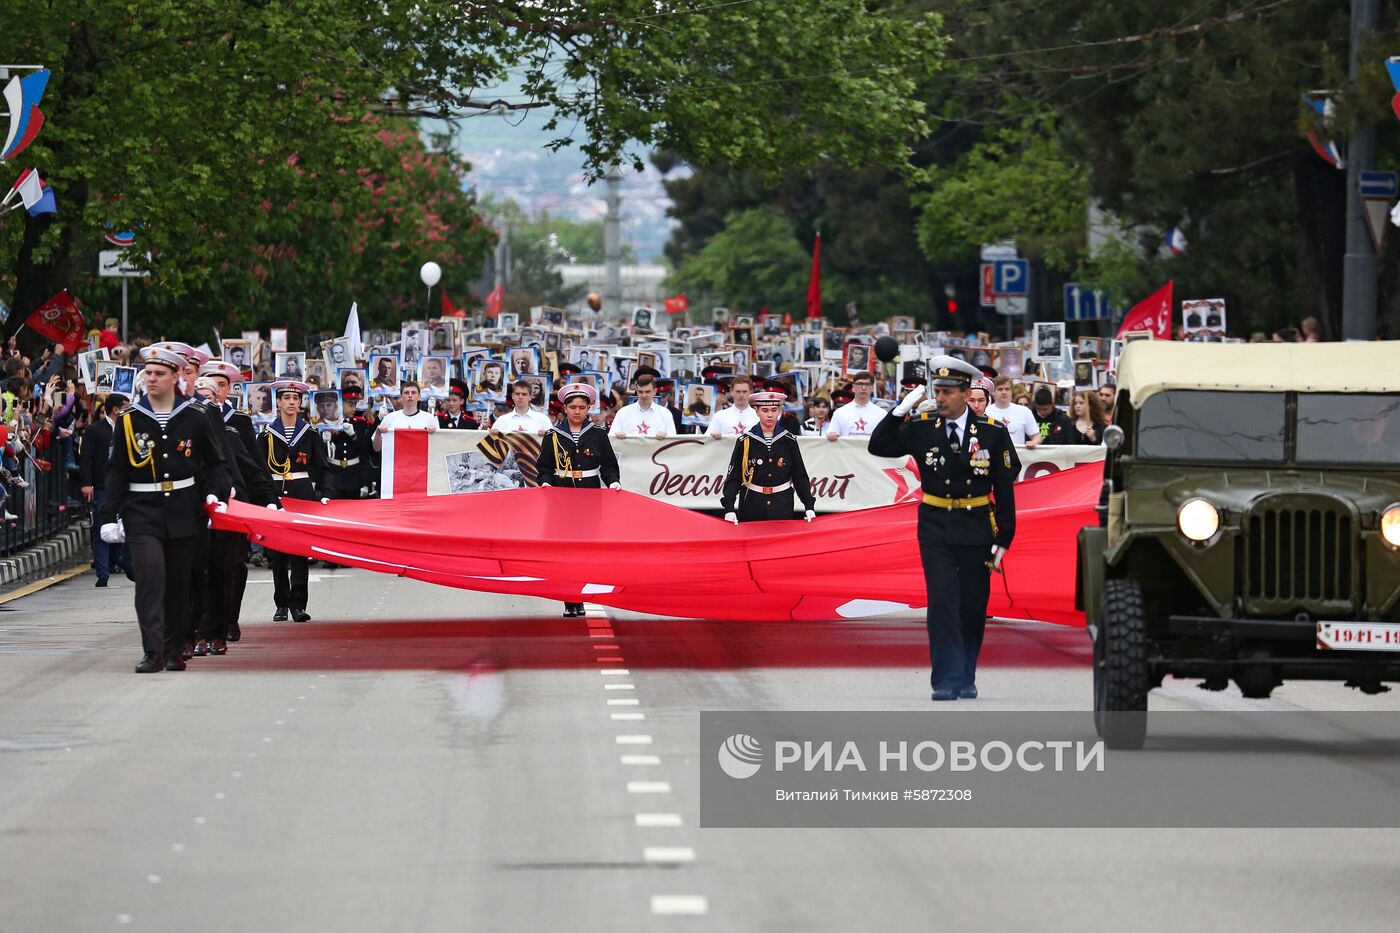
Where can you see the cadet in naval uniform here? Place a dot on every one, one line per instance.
(576, 453)
(239, 425)
(766, 469)
(167, 462)
(967, 468)
(295, 458)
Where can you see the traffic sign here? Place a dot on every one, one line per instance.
(1013, 305)
(1378, 192)
(111, 265)
(1087, 304)
(1012, 277)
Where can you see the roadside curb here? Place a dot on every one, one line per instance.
(62, 549)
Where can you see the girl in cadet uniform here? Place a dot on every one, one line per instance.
(576, 453)
(766, 469)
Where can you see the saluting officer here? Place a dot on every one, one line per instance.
(166, 461)
(577, 453)
(967, 468)
(296, 460)
(766, 469)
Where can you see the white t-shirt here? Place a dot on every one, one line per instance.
(630, 420)
(852, 420)
(398, 421)
(1019, 421)
(732, 421)
(532, 422)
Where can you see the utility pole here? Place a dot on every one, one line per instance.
(612, 245)
(1359, 298)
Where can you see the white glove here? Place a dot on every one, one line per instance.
(275, 506)
(113, 532)
(997, 554)
(731, 517)
(832, 435)
(911, 398)
(808, 515)
(660, 435)
(614, 485)
(325, 502)
(347, 427)
(210, 499)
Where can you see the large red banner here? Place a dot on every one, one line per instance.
(630, 552)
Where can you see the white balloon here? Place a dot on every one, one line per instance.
(431, 273)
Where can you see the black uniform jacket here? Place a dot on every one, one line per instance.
(348, 457)
(463, 422)
(95, 454)
(298, 469)
(146, 455)
(986, 464)
(559, 453)
(767, 462)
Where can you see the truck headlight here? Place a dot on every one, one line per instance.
(1199, 520)
(1390, 526)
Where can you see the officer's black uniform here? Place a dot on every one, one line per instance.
(348, 459)
(583, 462)
(241, 423)
(157, 482)
(462, 421)
(297, 468)
(958, 525)
(764, 473)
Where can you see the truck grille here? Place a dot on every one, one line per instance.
(1300, 555)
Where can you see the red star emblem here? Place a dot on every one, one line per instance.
(643, 428)
(739, 428)
(860, 424)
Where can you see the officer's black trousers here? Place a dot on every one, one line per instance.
(756, 507)
(198, 586)
(288, 579)
(226, 550)
(958, 582)
(162, 590)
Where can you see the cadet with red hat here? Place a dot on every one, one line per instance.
(577, 454)
(167, 461)
(453, 417)
(766, 469)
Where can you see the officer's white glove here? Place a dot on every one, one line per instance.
(997, 554)
(911, 398)
(113, 532)
(325, 501)
(275, 506)
(731, 517)
(660, 435)
(347, 427)
(213, 500)
(832, 435)
(808, 515)
(614, 485)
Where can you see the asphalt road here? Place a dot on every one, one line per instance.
(423, 759)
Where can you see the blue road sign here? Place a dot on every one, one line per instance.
(1012, 276)
(1087, 304)
(1379, 185)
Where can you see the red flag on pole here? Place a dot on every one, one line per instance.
(493, 301)
(814, 286)
(61, 320)
(1153, 313)
(676, 304)
(449, 309)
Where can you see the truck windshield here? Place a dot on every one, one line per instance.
(1219, 426)
(1335, 428)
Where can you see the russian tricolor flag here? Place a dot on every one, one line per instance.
(35, 196)
(1323, 113)
(22, 96)
(1175, 241)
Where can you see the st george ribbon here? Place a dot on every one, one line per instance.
(629, 552)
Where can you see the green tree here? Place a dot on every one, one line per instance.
(181, 118)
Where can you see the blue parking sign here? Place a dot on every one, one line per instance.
(1012, 276)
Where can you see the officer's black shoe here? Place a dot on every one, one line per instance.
(188, 653)
(301, 615)
(174, 664)
(234, 632)
(130, 574)
(945, 693)
(101, 581)
(151, 663)
(968, 693)
(218, 646)
(201, 648)
(280, 615)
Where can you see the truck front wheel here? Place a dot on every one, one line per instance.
(1120, 666)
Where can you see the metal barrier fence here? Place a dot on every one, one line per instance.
(42, 508)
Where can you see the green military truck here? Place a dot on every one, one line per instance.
(1250, 523)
